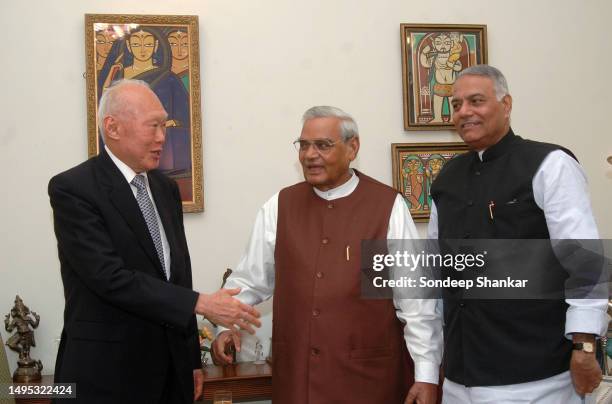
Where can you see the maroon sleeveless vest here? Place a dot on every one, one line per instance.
(329, 344)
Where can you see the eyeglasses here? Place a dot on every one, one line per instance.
(320, 145)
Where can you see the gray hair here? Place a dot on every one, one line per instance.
(348, 126)
(111, 102)
(496, 76)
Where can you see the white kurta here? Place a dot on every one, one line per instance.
(422, 318)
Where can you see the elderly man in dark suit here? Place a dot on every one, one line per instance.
(130, 332)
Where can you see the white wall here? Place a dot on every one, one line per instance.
(263, 63)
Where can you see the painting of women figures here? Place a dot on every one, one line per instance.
(162, 51)
(432, 57)
(415, 167)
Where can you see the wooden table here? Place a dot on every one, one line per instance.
(246, 381)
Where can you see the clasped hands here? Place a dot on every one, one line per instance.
(223, 309)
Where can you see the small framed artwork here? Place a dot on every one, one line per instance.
(432, 57)
(415, 167)
(162, 50)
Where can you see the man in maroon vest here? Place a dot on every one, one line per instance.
(330, 345)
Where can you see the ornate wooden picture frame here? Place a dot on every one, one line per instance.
(432, 56)
(162, 50)
(415, 167)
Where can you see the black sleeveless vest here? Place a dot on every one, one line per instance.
(498, 342)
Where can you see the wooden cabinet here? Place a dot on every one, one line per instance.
(246, 381)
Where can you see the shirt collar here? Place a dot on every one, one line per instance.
(341, 191)
(127, 172)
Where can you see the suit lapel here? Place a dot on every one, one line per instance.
(121, 195)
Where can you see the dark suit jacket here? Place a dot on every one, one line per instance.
(125, 326)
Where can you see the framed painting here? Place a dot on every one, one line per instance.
(162, 50)
(432, 57)
(415, 167)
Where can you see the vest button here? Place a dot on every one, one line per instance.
(314, 351)
(470, 203)
(316, 312)
(325, 240)
(319, 275)
(477, 173)
(461, 304)
(330, 206)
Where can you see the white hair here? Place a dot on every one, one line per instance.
(112, 102)
(497, 77)
(348, 126)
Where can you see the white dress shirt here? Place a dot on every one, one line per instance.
(422, 318)
(560, 190)
(129, 175)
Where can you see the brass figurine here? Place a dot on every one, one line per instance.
(24, 322)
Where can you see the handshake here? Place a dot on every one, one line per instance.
(223, 309)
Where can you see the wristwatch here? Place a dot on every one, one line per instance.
(587, 347)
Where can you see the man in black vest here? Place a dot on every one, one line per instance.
(509, 188)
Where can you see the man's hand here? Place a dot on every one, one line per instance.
(222, 309)
(198, 383)
(221, 344)
(422, 393)
(586, 373)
